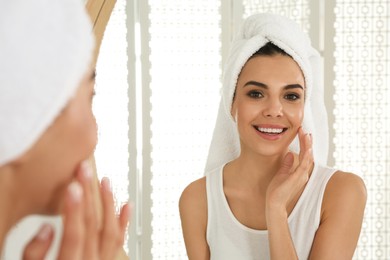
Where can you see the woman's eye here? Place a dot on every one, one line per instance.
(292, 96)
(255, 94)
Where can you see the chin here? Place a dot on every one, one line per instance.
(268, 150)
(270, 153)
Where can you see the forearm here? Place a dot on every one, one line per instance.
(280, 241)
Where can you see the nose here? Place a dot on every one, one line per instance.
(273, 108)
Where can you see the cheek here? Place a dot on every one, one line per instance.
(89, 130)
(84, 132)
(295, 114)
(244, 111)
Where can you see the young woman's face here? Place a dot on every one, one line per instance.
(50, 165)
(268, 104)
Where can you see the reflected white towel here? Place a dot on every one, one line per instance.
(45, 49)
(255, 32)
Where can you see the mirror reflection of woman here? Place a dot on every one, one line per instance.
(48, 130)
(263, 196)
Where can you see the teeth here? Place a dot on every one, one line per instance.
(270, 130)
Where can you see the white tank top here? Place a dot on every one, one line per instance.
(229, 239)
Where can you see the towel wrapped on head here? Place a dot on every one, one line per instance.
(45, 50)
(256, 31)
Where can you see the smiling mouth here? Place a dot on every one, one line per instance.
(270, 131)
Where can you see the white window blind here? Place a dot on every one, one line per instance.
(362, 119)
(185, 81)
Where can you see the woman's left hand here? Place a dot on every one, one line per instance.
(83, 237)
(288, 183)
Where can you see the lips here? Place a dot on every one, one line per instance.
(270, 130)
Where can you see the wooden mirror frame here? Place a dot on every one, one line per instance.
(100, 12)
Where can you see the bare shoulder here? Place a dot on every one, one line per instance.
(194, 195)
(348, 183)
(193, 216)
(341, 217)
(345, 190)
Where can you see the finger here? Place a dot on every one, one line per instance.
(110, 240)
(302, 146)
(73, 233)
(37, 248)
(90, 221)
(308, 155)
(287, 164)
(305, 143)
(124, 218)
(303, 169)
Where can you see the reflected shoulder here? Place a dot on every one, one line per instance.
(344, 190)
(194, 195)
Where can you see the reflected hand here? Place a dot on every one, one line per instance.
(287, 183)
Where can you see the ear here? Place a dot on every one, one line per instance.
(234, 111)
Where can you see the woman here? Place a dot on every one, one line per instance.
(49, 131)
(263, 197)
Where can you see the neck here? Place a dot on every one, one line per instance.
(254, 170)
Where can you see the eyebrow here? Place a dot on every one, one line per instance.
(262, 85)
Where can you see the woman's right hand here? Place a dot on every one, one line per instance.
(82, 237)
(287, 182)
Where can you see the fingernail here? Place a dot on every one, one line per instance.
(106, 184)
(75, 191)
(44, 232)
(86, 170)
(129, 208)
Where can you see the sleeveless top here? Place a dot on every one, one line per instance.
(229, 239)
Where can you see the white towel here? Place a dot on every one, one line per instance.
(45, 50)
(255, 32)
